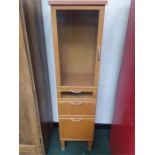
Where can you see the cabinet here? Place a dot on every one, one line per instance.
(77, 33)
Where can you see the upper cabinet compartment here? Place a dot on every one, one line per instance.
(77, 41)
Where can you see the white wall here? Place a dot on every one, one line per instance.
(116, 17)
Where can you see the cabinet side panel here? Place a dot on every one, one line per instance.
(56, 48)
(99, 43)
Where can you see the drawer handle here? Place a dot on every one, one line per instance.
(76, 103)
(76, 92)
(76, 119)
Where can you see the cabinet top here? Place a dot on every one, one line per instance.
(77, 2)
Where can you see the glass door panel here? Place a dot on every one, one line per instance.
(77, 40)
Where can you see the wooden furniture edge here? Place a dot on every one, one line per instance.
(77, 2)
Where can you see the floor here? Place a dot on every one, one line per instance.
(100, 145)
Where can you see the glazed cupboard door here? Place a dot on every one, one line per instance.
(29, 133)
(77, 39)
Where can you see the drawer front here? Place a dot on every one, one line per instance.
(77, 108)
(76, 128)
(77, 88)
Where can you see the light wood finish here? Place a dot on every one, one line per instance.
(77, 88)
(29, 133)
(77, 57)
(56, 48)
(77, 44)
(77, 79)
(99, 44)
(27, 148)
(76, 128)
(62, 142)
(77, 2)
(72, 93)
(76, 108)
(75, 95)
(90, 143)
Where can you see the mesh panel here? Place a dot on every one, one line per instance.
(77, 17)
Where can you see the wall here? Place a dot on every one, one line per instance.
(116, 17)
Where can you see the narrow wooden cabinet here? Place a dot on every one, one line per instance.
(77, 33)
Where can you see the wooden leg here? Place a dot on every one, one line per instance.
(62, 145)
(90, 143)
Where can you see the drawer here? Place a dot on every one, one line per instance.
(76, 128)
(75, 95)
(77, 88)
(77, 107)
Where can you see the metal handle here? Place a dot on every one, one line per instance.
(76, 92)
(76, 103)
(99, 53)
(76, 119)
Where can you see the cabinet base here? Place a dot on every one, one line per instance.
(62, 142)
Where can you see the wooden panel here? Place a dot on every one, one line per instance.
(26, 100)
(77, 88)
(77, 79)
(83, 89)
(76, 7)
(77, 2)
(76, 107)
(76, 128)
(29, 133)
(99, 45)
(29, 153)
(56, 48)
(78, 46)
(35, 32)
(71, 95)
(27, 148)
